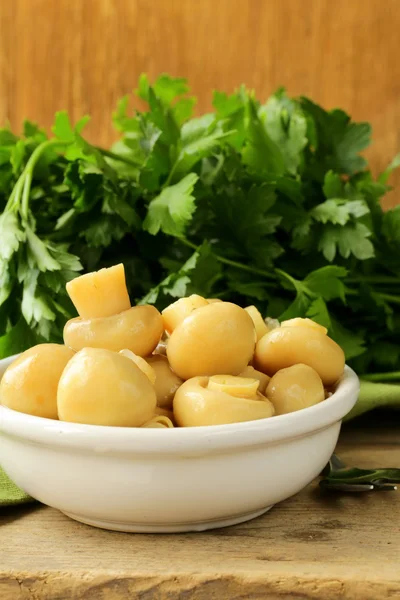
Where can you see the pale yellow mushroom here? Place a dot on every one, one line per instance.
(101, 293)
(176, 312)
(142, 364)
(196, 404)
(295, 388)
(159, 422)
(263, 379)
(138, 329)
(287, 346)
(259, 324)
(29, 384)
(212, 300)
(164, 412)
(299, 322)
(216, 339)
(166, 383)
(101, 387)
(240, 387)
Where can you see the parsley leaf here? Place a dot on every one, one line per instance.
(350, 239)
(327, 282)
(172, 210)
(338, 141)
(286, 124)
(260, 152)
(182, 282)
(391, 225)
(11, 234)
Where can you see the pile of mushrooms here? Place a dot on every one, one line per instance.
(199, 362)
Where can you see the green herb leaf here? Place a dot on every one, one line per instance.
(17, 339)
(391, 225)
(394, 164)
(333, 185)
(11, 235)
(286, 125)
(260, 153)
(172, 210)
(349, 239)
(63, 129)
(6, 282)
(327, 282)
(177, 284)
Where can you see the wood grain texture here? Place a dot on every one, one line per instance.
(309, 547)
(83, 55)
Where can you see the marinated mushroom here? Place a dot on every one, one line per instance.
(142, 364)
(164, 412)
(287, 346)
(216, 339)
(300, 322)
(240, 387)
(166, 381)
(101, 387)
(138, 329)
(259, 324)
(263, 379)
(159, 422)
(197, 404)
(101, 293)
(29, 384)
(176, 312)
(295, 388)
(202, 362)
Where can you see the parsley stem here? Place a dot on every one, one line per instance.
(118, 157)
(27, 174)
(390, 298)
(233, 263)
(15, 196)
(374, 279)
(391, 376)
(256, 271)
(171, 174)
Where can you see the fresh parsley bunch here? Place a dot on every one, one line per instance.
(269, 204)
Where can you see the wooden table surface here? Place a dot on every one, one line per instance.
(311, 546)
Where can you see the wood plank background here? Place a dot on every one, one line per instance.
(84, 54)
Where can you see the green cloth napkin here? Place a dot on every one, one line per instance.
(10, 494)
(372, 395)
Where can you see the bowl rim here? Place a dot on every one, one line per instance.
(202, 439)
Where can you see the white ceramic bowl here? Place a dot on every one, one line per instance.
(184, 479)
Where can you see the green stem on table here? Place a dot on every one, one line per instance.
(381, 377)
(232, 263)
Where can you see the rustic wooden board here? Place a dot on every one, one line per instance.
(84, 54)
(309, 547)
